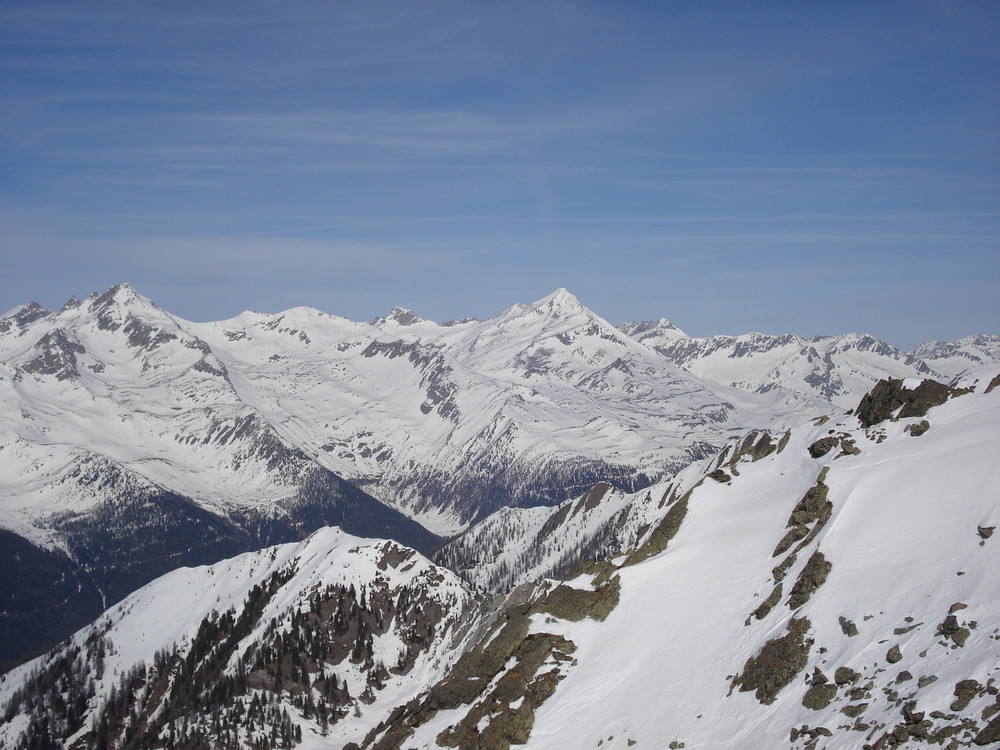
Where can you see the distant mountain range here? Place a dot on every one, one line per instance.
(836, 370)
(133, 442)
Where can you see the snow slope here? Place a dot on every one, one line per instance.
(880, 648)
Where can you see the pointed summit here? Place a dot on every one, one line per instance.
(555, 308)
(561, 297)
(120, 294)
(118, 304)
(560, 303)
(399, 316)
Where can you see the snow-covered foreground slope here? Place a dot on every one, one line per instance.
(366, 624)
(904, 547)
(840, 599)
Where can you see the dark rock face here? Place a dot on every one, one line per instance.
(665, 531)
(501, 681)
(822, 446)
(573, 604)
(144, 336)
(29, 314)
(56, 355)
(990, 733)
(819, 696)
(848, 627)
(953, 631)
(813, 576)
(809, 516)
(777, 663)
(965, 691)
(845, 675)
(889, 395)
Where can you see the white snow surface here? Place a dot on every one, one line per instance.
(904, 526)
(904, 546)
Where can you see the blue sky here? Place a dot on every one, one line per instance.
(805, 167)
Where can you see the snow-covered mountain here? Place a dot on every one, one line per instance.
(125, 452)
(834, 587)
(831, 370)
(133, 441)
(450, 422)
(955, 357)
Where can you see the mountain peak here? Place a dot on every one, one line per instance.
(119, 294)
(120, 304)
(399, 316)
(561, 300)
(22, 315)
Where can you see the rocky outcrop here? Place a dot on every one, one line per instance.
(889, 398)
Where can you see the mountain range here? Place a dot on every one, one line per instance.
(134, 442)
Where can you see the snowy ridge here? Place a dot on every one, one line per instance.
(958, 356)
(237, 620)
